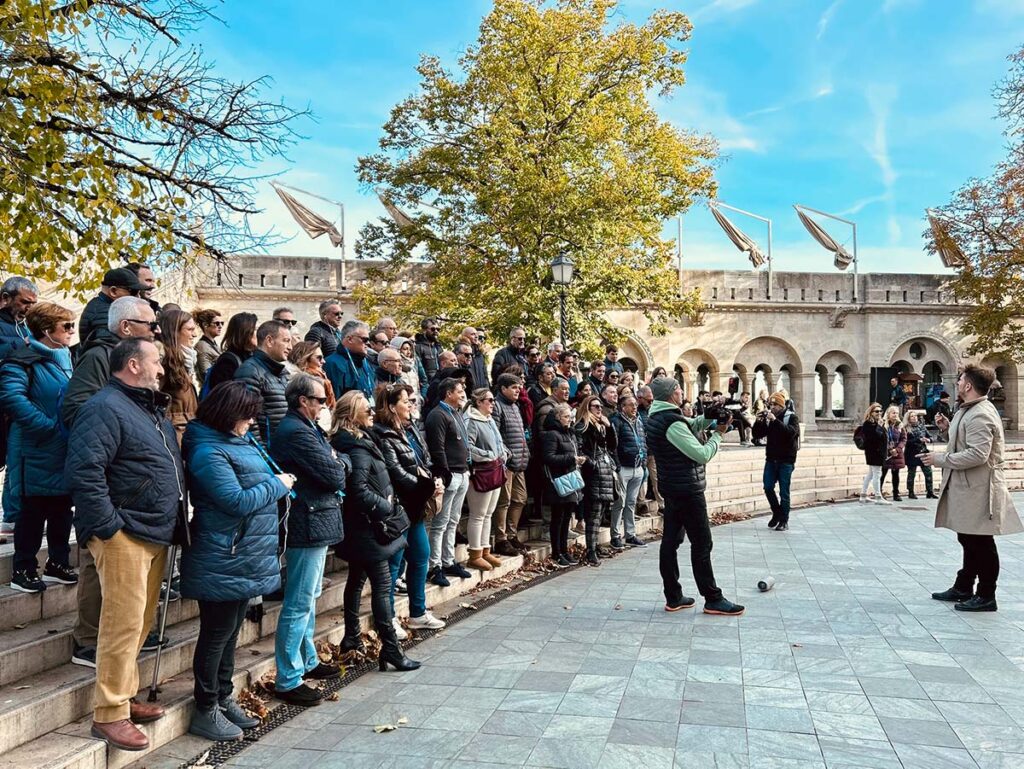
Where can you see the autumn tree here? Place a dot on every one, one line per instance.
(983, 228)
(119, 142)
(543, 140)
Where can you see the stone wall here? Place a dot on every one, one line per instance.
(809, 332)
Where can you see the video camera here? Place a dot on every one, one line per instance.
(720, 412)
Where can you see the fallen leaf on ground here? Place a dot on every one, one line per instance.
(20, 627)
(403, 721)
(468, 606)
(381, 728)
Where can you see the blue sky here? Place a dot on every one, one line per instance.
(871, 109)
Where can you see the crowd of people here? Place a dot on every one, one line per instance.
(258, 450)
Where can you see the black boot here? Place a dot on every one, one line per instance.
(391, 651)
(353, 640)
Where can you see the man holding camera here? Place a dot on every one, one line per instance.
(680, 453)
(780, 425)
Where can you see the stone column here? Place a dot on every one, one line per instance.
(802, 391)
(826, 394)
(856, 391)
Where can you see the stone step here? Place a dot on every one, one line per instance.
(47, 724)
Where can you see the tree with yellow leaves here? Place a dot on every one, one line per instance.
(545, 141)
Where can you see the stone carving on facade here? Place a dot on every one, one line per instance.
(837, 318)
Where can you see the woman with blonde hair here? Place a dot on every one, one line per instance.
(375, 525)
(308, 358)
(872, 439)
(896, 443)
(597, 443)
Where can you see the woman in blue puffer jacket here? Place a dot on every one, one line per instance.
(233, 552)
(32, 380)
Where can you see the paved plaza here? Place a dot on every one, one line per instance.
(846, 663)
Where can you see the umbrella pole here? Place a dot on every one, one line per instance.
(154, 689)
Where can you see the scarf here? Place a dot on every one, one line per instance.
(189, 354)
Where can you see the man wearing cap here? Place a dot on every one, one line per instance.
(116, 283)
(680, 455)
(782, 429)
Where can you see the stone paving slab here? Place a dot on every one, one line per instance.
(847, 663)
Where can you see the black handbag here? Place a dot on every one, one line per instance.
(386, 530)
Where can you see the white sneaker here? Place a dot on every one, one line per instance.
(6, 528)
(882, 501)
(399, 630)
(863, 498)
(427, 622)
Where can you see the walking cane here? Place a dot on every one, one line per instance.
(154, 689)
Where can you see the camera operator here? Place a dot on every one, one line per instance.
(680, 455)
(780, 425)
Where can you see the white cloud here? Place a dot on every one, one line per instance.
(822, 91)
(863, 203)
(880, 99)
(826, 18)
(706, 111)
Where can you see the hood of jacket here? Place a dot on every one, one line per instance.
(662, 406)
(473, 413)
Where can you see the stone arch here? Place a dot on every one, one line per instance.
(903, 366)
(836, 384)
(636, 348)
(936, 347)
(691, 364)
(769, 350)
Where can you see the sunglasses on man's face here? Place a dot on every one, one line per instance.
(321, 401)
(153, 325)
(217, 323)
(432, 329)
(289, 323)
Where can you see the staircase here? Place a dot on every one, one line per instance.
(45, 701)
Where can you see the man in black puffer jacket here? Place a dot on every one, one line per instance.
(125, 476)
(512, 499)
(513, 354)
(314, 524)
(326, 331)
(265, 371)
(428, 348)
(680, 456)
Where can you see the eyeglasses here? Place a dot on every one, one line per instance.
(363, 339)
(380, 341)
(318, 357)
(217, 323)
(153, 325)
(595, 406)
(519, 339)
(613, 375)
(337, 314)
(487, 400)
(69, 326)
(432, 329)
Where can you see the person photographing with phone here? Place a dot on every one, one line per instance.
(680, 454)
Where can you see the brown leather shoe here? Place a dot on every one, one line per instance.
(121, 734)
(144, 712)
(518, 544)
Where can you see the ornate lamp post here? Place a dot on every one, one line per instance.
(561, 275)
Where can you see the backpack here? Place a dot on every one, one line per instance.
(858, 437)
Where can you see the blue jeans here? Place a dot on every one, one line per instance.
(780, 473)
(294, 651)
(416, 553)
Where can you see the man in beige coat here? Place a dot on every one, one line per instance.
(974, 501)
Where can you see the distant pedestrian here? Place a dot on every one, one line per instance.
(780, 427)
(871, 438)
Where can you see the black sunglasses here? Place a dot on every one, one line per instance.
(321, 401)
(153, 325)
(288, 323)
(70, 326)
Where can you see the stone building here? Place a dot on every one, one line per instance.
(810, 337)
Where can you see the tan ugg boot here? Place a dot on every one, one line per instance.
(476, 561)
(491, 559)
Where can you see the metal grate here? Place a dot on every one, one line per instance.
(221, 752)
